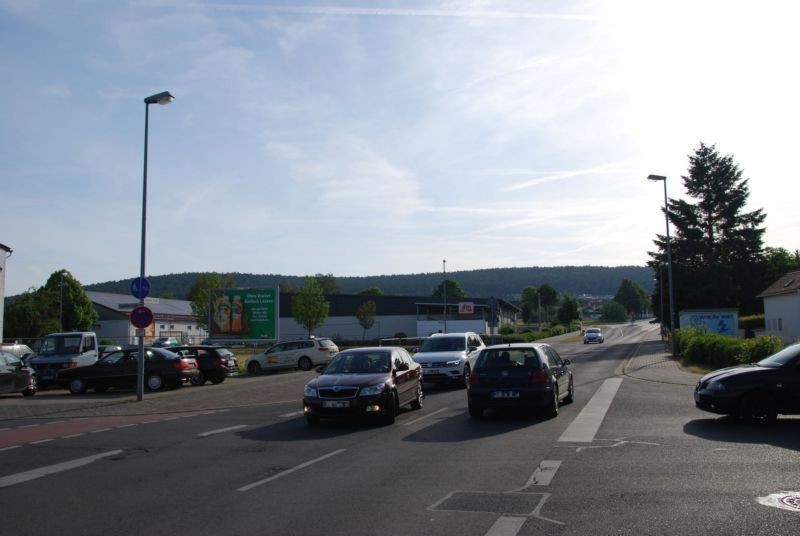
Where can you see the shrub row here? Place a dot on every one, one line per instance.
(702, 347)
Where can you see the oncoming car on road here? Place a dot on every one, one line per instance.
(364, 382)
(447, 357)
(593, 335)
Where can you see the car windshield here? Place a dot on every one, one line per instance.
(592, 330)
(60, 344)
(360, 363)
(503, 358)
(788, 354)
(444, 344)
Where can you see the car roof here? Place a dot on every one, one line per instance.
(517, 345)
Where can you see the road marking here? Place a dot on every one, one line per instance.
(292, 414)
(588, 421)
(289, 471)
(72, 435)
(51, 469)
(222, 430)
(28, 426)
(506, 526)
(100, 430)
(12, 447)
(41, 441)
(126, 425)
(431, 414)
(543, 474)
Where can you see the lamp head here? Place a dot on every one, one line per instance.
(165, 97)
(656, 178)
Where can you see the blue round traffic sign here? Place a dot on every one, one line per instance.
(141, 317)
(140, 288)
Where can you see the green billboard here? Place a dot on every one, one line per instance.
(243, 313)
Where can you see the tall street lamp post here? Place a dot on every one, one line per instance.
(669, 265)
(444, 292)
(165, 97)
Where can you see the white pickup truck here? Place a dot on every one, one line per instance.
(61, 351)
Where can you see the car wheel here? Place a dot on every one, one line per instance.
(101, 388)
(467, 373)
(254, 367)
(570, 393)
(390, 412)
(155, 382)
(200, 379)
(304, 363)
(758, 408)
(77, 386)
(312, 420)
(475, 412)
(552, 408)
(217, 378)
(32, 387)
(417, 402)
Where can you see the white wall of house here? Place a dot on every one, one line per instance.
(782, 316)
(429, 327)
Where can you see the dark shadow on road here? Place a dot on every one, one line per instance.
(785, 433)
(462, 427)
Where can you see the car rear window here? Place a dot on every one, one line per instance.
(501, 358)
(326, 342)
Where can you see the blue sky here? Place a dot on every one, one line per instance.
(366, 138)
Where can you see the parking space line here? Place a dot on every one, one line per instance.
(588, 421)
(289, 471)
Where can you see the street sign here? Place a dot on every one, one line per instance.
(140, 288)
(141, 317)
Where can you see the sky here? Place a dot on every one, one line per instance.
(371, 138)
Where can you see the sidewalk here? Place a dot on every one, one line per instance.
(653, 362)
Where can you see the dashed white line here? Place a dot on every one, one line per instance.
(100, 430)
(431, 414)
(127, 425)
(73, 435)
(41, 441)
(12, 447)
(19, 478)
(222, 430)
(289, 471)
(292, 414)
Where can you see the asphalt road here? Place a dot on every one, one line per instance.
(631, 455)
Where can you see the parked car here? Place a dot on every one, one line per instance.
(531, 376)
(593, 335)
(756, 392)
(447, 357)
(165, 342)
(215, 362)
(22, 351)
(302, 353)
(15, 376)
(375, 381)
(119, 370)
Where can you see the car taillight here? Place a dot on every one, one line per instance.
(539, 376)
(184, 364)
(219, 361)
(474, 379)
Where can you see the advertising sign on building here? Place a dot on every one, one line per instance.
(721, 321)
(466, 308)
(243, 313)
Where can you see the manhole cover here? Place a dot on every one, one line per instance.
(787, 500)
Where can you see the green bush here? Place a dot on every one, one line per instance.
(752, 322)
(507, 329)
(753, 350)
(702, 347)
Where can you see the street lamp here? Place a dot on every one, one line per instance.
(165, 97)
(444, 292)
(669, 265)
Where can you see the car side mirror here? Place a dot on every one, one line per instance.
(567, 362)
(320, 369)
(402, 367)
(472, 348)
(415, 350)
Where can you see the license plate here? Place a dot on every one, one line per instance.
(431, 371)
(505, 394)
(47, 375)
(231, 363)
(335, 403)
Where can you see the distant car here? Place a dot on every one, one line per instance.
(119, 370)
(302, 353)
(530, 376)
(22, 351)
(15, 376)
(447, 357)
(165, 342)
(756, 392)
(108, 348)
(215, 362)
(375, 381)
(592, 335)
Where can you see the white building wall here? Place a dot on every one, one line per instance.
(429, 327)
(348, 328)
(782, 316)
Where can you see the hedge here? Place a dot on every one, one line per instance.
(701, 347)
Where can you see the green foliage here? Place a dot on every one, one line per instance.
(366, 314)
(198, 294)
(507, 329)
(717, 351)
(613, 311)
(454, 289)
(569, 310)
(752, 322)
(328, 284)
(753, 350)
(309, 307)
(548, 295)
(371, 291)
(780, 261)
(632, 297)
(529, 303)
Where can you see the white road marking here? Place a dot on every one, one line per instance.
(222, 430)
(126, 425)
(292, 414)
(543, 474)
(12, 447)
(588, 421)
(41, 441)
(27, 426)
(506, 526)
(73, 435)
(431, 414)
(289, 471)
(51, 469)
(100, 430)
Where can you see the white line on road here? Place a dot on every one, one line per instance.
(41, 441)
(73, 435)
(100, 430)
(12, 447)
(19, 478)
(588, 421)
(292, 414)
(289, 471)
(222, 430)
(543, 474)
(506, 526)
(431, 414)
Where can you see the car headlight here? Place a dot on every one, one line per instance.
(716, 386)
(309, 391)
(453, 363)
(372, 390)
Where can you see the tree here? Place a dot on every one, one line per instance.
(366, 314)
(632, 297)
(454, 289)
(285, 287)
(328, 284)
(309, 307)
(371, 291)
(569, 310)
(198, 294)
(613, 311)
(780, 261)
(717, 251)
(548, 297)
(529, 302)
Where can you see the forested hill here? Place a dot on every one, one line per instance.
(500, 282)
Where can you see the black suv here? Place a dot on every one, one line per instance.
(215, 362)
